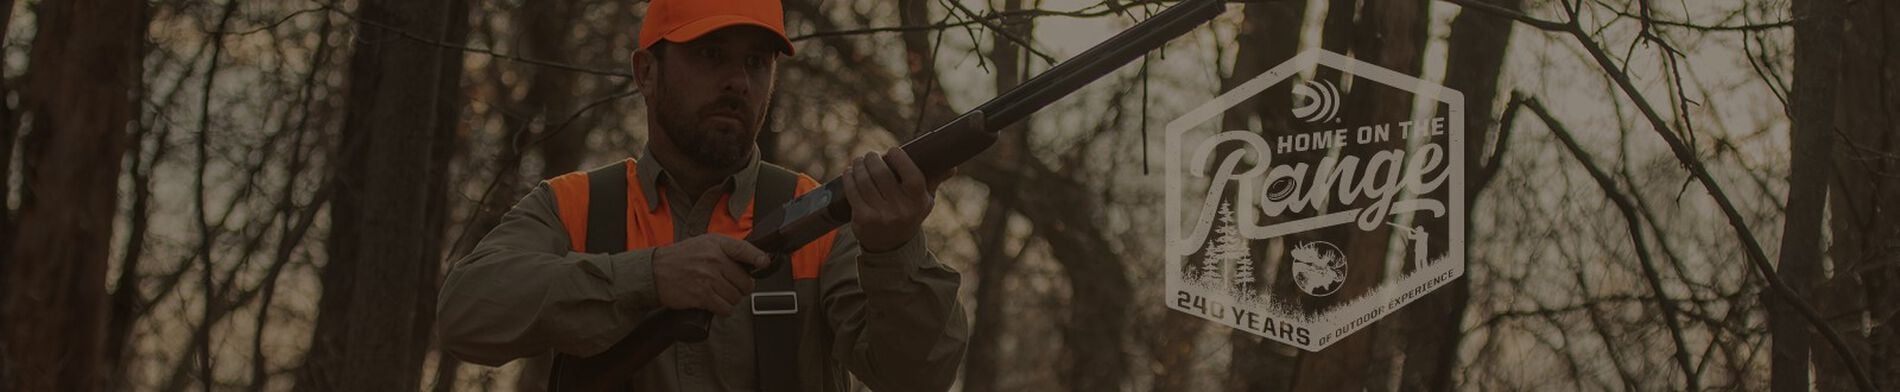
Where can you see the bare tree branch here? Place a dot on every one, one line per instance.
(1756, 255)
(1641, 247)
(205, 235)
(490, 52)
(1508, 13)
(1698, 27)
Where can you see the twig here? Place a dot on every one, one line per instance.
(1641, 247)
(490, 52)
(514, 160)
(1692, 26)
(1597, 323)
(1000, 32)
(205, 235)
(888, 29)
(1756, 255)
(1508, 13)
(1493, 163)
(1084, 12)
(985, 20)
(272, 25)
(1759, 63)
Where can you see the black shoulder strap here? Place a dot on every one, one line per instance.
(607, 209)
(775, 320)
(606, 233)
(775, 332)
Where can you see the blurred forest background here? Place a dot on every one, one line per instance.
(264, 195)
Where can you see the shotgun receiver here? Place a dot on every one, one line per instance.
(806, 218)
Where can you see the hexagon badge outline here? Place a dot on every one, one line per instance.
(1289, 326)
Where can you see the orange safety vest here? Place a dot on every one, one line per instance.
(652, 229)
(776, 330)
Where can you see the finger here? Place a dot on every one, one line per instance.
(727, 293)
(737, 278)
(908, 174)
(742, 252)
(852, 194)
(867, 182)
(886, 181)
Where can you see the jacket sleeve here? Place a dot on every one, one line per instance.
(898, 325)
(521, 292)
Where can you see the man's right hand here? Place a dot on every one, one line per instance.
(703, 273)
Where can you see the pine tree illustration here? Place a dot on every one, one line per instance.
(1227, 258)
(1243, 270)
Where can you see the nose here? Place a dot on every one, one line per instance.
(734, 80)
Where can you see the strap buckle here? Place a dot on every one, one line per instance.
(770, 303)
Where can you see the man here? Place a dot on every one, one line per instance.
(869, 298)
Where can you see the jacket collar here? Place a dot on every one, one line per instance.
(742, 184)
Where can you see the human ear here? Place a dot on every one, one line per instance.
(646, 70)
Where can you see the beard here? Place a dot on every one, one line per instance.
(715, 144)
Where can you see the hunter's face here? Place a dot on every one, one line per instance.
(709, 94)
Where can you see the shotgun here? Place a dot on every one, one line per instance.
(809, 216)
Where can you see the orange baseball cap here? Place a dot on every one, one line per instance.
(685, 20)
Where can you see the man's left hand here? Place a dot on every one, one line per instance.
(889, 199)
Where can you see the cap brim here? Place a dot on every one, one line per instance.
(694, 29)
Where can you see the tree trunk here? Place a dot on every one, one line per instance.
(1432, 324)
(548, 34)
(1061, 211)
(1100, 290)
(1336, 34)
(548, 30)
(448, 124)
(126, 302)
(1862, 295)
(983, 364)
(86, 75)
(1269, 34)
(1817, 69)
(9, 134)
(920, 54)
(384, 248)
(1364, 360)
